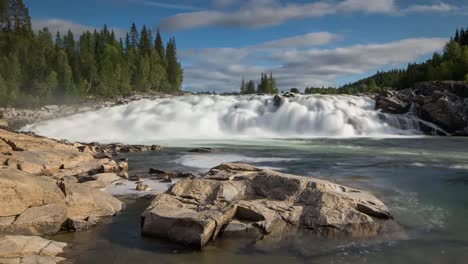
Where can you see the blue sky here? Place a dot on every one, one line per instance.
(304, 43)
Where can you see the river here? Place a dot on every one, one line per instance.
(423, 180)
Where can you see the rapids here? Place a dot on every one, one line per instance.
(227, 117)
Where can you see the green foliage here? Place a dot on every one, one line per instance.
(46, 67)
(451, 65)
(267, 85)
(294, 90)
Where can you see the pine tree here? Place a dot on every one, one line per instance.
(174, 69)
(41, 68)
(134, 36)
(158, 45)
(145, 42)
(4, 16)
(65, 88)
(58, 41)
(243, 88)
(457, 37)
(250, 87)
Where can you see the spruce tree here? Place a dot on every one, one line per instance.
(145, 42)
(65, 88)
(174, 69)
(134, 36)
(159, 46)
(250, 87)
(243, 88)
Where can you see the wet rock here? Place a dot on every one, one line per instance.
(277, 100)
(259, 202)
(166, 179)
(142, 187)
(134, 178)
(79, 225)
(392, 102)
(442, 106)
(201, 150)
(238, 229)
(30, 249)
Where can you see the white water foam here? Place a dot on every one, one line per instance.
(227, 117)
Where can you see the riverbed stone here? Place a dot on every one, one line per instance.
(84, 202)
(30, 249)
(259, 203)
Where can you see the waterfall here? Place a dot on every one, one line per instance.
(228, 117)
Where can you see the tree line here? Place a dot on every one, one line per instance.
(452, 64)
(267, 85)
(39, 67)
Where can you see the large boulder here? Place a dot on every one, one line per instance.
(445, 110)
(47, 157)
(241, 199)
(30, 249)
(30, 205)
(84, 202)
(441, 106)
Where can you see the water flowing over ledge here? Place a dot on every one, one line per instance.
(227, 117)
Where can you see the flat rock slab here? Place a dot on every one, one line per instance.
(29, 249)
(242, 200)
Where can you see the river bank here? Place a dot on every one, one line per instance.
(49, 187)
(16, 118)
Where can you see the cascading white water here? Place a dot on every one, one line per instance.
(227, 117)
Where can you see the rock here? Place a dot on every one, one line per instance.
(256, 203)
(106, 178)
(277, 100)
(179, 222)
(40, 220)
(442, 106)
(79, 225)
(158, 172)
(84, 202)
(166, 179)
(30, 249)
(50, 107)
(201, 150)
(187, 175)
(143, 187)
(134, 178)
(289, 95)
(240, 229)
(391, 102)
(30, 205)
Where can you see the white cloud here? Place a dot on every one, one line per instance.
(60, 25)
(307, 40)
(439, 7)
(262, 13)
(169, 6)
(374, 6)
(221, 69)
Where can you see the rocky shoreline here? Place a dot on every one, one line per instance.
(16, 118)
(49, 186)
(444, 104)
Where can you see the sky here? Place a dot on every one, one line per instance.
(303, 43)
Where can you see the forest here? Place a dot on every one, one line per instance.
(45, 67)
(452, 64)
(267, 85)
